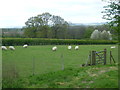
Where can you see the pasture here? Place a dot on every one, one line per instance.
(41, 59)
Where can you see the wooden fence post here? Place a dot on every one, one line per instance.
(90, 58)
(87, 62)
(110, 57)
(33, 65)
(105, 56)
(62, 61)
(93, 58)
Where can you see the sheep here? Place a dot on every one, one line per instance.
(25, 46)
(113, 47)
(3, 48)
(76, 47)
(54, 48)
(11, 48)
(69, 47)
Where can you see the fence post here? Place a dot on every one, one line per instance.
(62, 61)
(105, 56)
(33, 65)
(93, 58)
(90, 58)
(110, 57)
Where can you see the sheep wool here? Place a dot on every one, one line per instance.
(54, 48)
(25, 46)
(76, 47)
(3, 48)
(69, 47)
(11, 48)
(112, 47)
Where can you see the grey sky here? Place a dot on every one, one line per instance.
(15, 13)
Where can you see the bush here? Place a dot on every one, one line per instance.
(95, 34)
(104, 35)
(41, 41)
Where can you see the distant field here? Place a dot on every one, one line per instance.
(46, 60)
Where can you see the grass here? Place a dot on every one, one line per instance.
(77, 78)
(19, 63)
(100, 76)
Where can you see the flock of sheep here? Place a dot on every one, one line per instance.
(12, 47)
(69, 47)
(53, 48)
(76, 47)
(25, 46)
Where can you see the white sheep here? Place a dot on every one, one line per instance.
(3, 48)
(69, 47)
(54, 48)
(76, 47)
(11, 48)
(25, 46)
(113, 47)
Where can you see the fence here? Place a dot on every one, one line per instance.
(95, 58)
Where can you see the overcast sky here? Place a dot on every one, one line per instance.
(14, 13)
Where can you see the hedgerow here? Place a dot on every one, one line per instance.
(42, 41)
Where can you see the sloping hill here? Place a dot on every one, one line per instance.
(99, 76)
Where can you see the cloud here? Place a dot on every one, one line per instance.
(16, 12)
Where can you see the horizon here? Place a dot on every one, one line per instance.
(74, 24)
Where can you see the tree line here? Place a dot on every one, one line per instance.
(11, 32)
(72, 32)
(50, 26)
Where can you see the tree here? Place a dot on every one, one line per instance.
(112, 13)
(30, 32)
(39, 20)
(95, 35)
(110, 35)
(59, 26)
(88, 31)
(43, 32)
(35, 26)
(76, 32)
(104, 35)
(44, 24)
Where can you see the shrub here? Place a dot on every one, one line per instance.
(41, 41)
(95, 35)
(104, 35)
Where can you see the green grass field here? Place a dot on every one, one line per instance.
(18, 67)
(46, 60)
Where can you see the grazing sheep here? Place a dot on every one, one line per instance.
(25, 46)
(76, 47)
(69, 47)
(3, 48)
(113, 47)
(54, 48)
(11, 48)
